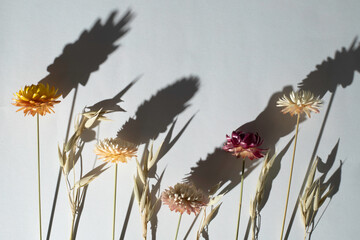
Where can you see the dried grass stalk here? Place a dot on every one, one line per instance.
(259, 194)
(142, 191)
(311, 199)
(69, 155)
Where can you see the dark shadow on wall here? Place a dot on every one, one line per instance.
(327, 76)
(77, 62)
(222, 168)
(334, 71)
(79, 59)
(111, 105)
(153, 117)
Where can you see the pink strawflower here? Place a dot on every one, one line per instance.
(244, 144)
(184, 197)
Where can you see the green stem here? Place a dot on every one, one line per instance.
(290, 177)
(240, 201)
(115, 187)
(38, 166)
(177, 229)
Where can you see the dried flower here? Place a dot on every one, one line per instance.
(36, 99)
(184, 197)
(115, 150)
(243, 144)
(299, 102)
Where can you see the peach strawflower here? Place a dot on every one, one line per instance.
(36, 99)
(299, 102)
(115, 150)
(184, 197)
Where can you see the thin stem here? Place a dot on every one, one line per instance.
(201, 223)
(177, 229)
(305, 233)
(115, 187)
(38, 166)
(240, 201)
(73, 217)
(290, 177)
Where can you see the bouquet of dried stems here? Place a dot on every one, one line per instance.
(183, 197)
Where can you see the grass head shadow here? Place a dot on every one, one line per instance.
(79, 59)
(334, 71)
(155, 115)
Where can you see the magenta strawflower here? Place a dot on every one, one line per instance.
(244, 144)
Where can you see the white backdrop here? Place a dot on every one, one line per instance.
(236, 56)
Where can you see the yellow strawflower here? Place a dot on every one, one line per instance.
(36, 99)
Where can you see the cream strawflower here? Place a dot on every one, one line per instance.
(299, 102)
(115, 150)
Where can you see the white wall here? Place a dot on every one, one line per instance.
(243, 52)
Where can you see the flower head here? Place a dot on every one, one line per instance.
(299, 102)
(244, 144)
(36, 99)
(115, 150)
(184, 197)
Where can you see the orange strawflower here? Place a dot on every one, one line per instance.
(36, 99)
(115, 150)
